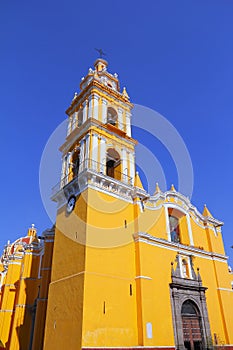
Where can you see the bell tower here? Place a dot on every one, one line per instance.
(94, 253)
(99, 129)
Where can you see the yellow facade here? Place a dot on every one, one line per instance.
(124, 264)
(127, 269)
(23, 284)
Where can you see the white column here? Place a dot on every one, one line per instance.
(124, 165)
(167, 223)
(190, 269)
(189, 229)
(103, 155)
(128, 124)
(87, 151)
(69, 154)
(132, 167)
(63, 171)
(96, 106)
(104, 111)
(90, 107)
(74, 123)
(85, 110)
(76, 120)
(81, 158)
(94, 151)
(69, 126)
(120, 119)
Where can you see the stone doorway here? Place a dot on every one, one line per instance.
(191, 322)
(189, 308)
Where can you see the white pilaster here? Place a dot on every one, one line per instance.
(124, 165)
(120, 119)
(81, 167)
(94, 151)
(189, 229)
(85, 110)
(128, 124)
(104, 111)
(103, 155)
(190, 270)
(87, 151)
(90, 107)
(167, 223)
(69, 126)
(76, 120)
(96, 106)
(132, 167)
(63, 170)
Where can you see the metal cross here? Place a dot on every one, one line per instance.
(101, 52)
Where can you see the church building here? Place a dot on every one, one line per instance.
(121, 269)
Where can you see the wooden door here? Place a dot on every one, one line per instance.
(192, 332)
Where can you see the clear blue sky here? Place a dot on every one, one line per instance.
(173, 56)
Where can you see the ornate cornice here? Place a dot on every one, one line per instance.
(80, 132)
(178, 247)
(103, 88)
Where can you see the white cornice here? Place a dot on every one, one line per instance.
(78, 133)
(149, 239)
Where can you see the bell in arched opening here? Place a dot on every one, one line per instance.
(113, 164)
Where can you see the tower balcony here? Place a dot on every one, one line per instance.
(97, 174)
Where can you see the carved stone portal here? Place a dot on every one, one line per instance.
(189, 309)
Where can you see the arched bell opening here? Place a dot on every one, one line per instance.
(113, 164)
(76, 162)
(112, 117)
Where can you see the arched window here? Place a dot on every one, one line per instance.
(111, 116)
(174, 229)
(113, 164)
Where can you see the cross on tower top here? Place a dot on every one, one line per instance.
(101, 52)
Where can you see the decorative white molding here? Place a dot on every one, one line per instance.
(167, 222)
(189, 229)
(143, 277)
(85, 110)
(178, 247)
(128, 124)
(226, 289)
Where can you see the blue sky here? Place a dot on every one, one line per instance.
(174, 57)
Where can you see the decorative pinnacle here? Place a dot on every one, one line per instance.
(157, 188)
(172, 188)
(75, 95)
(124, 92)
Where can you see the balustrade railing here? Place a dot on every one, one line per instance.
(96, 167)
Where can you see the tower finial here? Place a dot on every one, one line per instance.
(101, 53)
